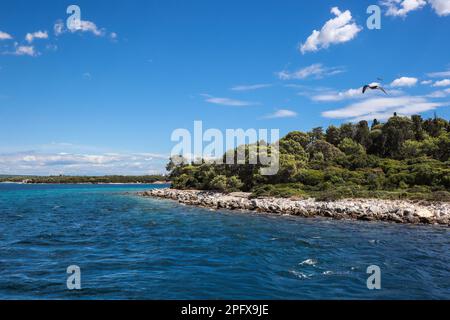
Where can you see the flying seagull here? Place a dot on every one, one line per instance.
(373, 87)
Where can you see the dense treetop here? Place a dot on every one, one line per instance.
(401, 158)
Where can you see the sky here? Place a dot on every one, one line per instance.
(105, 98)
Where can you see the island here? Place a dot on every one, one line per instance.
(396, 171)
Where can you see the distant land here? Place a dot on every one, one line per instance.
(83, 179)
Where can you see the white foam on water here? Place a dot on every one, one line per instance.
(309, 262)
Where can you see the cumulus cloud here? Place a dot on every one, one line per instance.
(441, 7)
(32, 163)
(316, 70)
(426, 82)
(227, 101)
(282, 113)
(442, 83)
(382, 108)
(250, 87)
(5, 36)
(401, 8)
(340, 29)
(36, 35)
(404, 82)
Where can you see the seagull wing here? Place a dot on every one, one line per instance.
(382, 89)
(365, 88)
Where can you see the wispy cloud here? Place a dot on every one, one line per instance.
(250, 87)
(227, 101)
(24, 51)
(338, 96)
(440, 74)
(382, 108)
(316, 71)
(439, 94)
(340, 29)
(58, 27)
(84, 26)
(282, 113)
(36, 35)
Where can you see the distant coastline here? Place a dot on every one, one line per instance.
(151, 179)
(399, 211)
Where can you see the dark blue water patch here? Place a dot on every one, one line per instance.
(130, 247)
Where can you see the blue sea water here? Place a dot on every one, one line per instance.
(130, 247)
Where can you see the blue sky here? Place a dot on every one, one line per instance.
(105, 98)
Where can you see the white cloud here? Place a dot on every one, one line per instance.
(382, 108)
(441, 7)
(338, 96)
(25, 51)
(89, 26)
(5, 36)
(282, 113)
(250, 87)
(401, 8)
(439, 94)
(316, 70)
(81, 164)
(442, 83)
(227, 101)
(36, 35)
(58, 27)
(440, 74)
(340, 29)
(84, 26)
(426, 82)
(404, 82)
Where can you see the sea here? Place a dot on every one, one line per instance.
(113, 244)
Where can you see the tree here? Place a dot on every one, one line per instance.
(411, 149)
(294, 148)
(219, 183)
(362, 134)
(350, 147)
(328, 151)
(417, 127)
(316, 134)
(396, 131)
(299, 137)
(347, 130)
(375, 123)
(333, 135)
(434, 127)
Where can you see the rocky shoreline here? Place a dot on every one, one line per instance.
(400, 211)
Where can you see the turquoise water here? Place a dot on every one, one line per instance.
(130, 247)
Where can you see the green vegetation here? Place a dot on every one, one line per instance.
(404, 158)
(84, 179)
